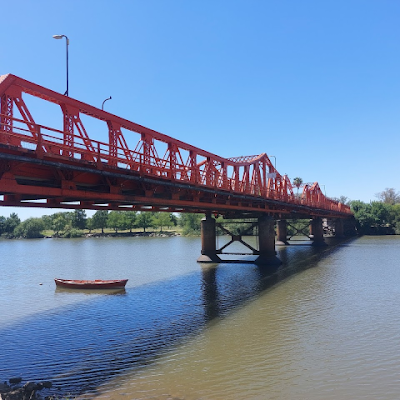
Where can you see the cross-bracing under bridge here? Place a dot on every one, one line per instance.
(133, 168)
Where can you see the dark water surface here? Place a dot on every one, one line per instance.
(324, 325)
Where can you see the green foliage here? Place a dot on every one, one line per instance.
(162, 219)
(191, 223)
(375, 217)
(130, 219)
(2, 224)
(30, 228)
(89, 224)
(79, 219)
(99, 220)
(117, 220)
(145, 220)
(71, 232)
(11, 223)
(297, 182)
(298, 227)
(58, 222)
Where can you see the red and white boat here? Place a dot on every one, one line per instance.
(96, 284)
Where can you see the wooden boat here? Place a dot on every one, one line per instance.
(96, 284)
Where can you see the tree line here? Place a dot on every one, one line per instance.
(379, 217)
(76, 223)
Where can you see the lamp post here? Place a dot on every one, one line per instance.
(67, 44)
(102, 106)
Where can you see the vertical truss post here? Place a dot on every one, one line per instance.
(224, 176)
(146, 153)
(172, 160)
(68, 141)
(6, 114)
(236, 178)
(113, 133)
(264, 179)
(194, 170)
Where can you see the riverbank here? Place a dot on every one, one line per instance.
(82, 234)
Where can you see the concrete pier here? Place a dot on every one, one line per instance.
(339, 227)
(281, 232)
(316, 232)
(266, 242)
(208, 241)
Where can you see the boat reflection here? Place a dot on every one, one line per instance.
(60, 290)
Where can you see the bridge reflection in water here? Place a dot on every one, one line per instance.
(81, 346)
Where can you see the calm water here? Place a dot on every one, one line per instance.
(324, 325)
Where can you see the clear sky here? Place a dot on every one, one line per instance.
(313, 83)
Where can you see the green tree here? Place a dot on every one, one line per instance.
(11, 223)
(117, 220)
(89, 224)
(162, 219)
(191, 223)
(79, 219)
(372, 217)
(297, 182)
(174, 219)
(100, 220)
(59, 222)
(47, 221)
(130, 219)
(144, 220)
(395, 218)
(30, 228)
(2, 224)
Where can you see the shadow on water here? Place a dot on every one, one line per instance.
(79, 347)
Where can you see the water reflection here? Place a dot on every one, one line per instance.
(60, 290)
(80, 346)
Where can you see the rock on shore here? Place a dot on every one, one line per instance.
(14, 391)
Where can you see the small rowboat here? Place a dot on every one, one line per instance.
(96, 284)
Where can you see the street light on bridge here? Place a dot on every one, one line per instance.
(67, 44)
(102, 106)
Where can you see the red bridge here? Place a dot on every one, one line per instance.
(44, 166)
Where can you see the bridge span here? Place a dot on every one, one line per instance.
(135, 168)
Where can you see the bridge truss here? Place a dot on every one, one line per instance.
(41, 166)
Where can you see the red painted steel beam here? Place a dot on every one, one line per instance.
(70, 166)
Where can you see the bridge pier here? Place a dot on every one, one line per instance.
(339, 227)
(208, 241)
(281, 232)
(266, 242)
(316, 232)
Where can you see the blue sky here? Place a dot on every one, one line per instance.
(313, 83)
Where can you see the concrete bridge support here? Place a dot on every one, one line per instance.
(316, 232)
(281, 232)
(208, 241)
(339, 227)
(266, 242)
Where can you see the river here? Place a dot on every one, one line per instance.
(324, 325)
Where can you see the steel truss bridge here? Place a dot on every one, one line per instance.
(134, 168)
